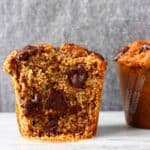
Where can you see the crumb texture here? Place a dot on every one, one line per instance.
(57, 90)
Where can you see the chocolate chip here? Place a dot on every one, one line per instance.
(77, 77)
(146, 47)
(23, 55)
(52, 124)
(122, 51)
(26, 52)
(33, 106)
(75, 109)
(40, 133)
(56, 100)
(33, 122)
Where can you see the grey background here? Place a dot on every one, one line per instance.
(102, 25)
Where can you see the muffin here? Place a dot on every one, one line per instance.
(133, 62)
(58, 90)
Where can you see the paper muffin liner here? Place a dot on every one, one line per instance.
(135, 90)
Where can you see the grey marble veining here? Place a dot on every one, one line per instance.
(97, 24)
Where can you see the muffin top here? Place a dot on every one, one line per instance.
(135, 54)
(66, 51)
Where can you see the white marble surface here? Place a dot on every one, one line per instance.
(112, 134)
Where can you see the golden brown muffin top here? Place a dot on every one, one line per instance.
(67, 49)
(136, 54)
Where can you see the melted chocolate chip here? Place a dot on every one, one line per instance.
(74, 109)
(146, 47)
(24, 55)
(122, 51)
(77, 77)
(52, 124)
(56, 100)
(34, 106)
(26, 52)
(33, 122)
(40, 133)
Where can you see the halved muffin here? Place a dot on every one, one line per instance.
(58, 90)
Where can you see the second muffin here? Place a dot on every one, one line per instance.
(133, 62)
